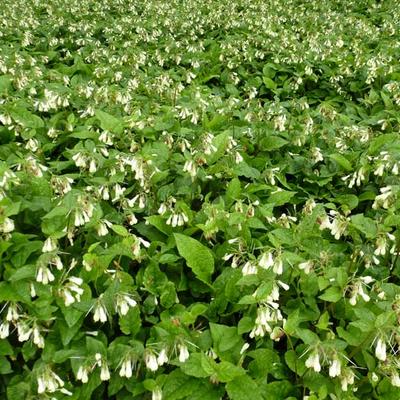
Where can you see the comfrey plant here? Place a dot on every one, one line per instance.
(199, 200)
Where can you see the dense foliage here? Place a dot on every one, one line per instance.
(199, 199)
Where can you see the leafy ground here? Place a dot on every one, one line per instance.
(199, 199)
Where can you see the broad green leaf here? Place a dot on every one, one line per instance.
(365, 225)
(332, 294)
(341, 160)
(243, 388)
(198, 257)
(270, 143)
(280, 197)
(108, 122)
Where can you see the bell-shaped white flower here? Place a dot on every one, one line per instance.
(266, 261)
(156, 394)
(335, 368)
(395, 379)
(100, 312)
(49, 245)
(183, 352)
(7, 226)
(380, 350)
(82, 374)
(104, 372)
(313, 362)
(4, 329)
(151, 361)
(162, 357)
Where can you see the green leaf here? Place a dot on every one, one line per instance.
(244, 169)
(227, 371)
(18, 391)
(243, 388)
(382, 141)
(277, 390)
(280, 197)
(179, 386)
(365, 225)
(5, 348)
(108, 122)
(26, 118)
(350, 200)
(193, 366)
(270, 143)
(341, 160)
(224, 337)
(131, 322)
(246, 324)
(233, 191)
(5, 366)
(269, 83)
(295, 363)
(265, 361)
(5, 83)
(120, 230)
(332, 294)
(198, 257)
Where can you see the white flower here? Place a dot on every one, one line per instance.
(12, 313)
(156, 394)
(191, 168)
(306, 266)
(79, 218)
(238, 158)
(380, 350)
(313, 362)
(353, 300)
(316, 155)
(151, 361)
(92, 166)
(124, 303)
(335, 368)
(266, 261)
(102, 229)
(249, 269)
(276, 334)
(100, 312)
(347, 378)
(79, 159)
(119, 191)
(41, 385)
(162, 357)
(82, 374)
(183, 353)
(244, 348)
(24, 332)
(325, 223)
(4, 330)
(380, 246)
(104, 372)
(44, 275)
(7, 226)
(38, 339)
(72, 291)
(367, 279)
(49, 245)
(103, 191)
(278, 266)
(126, 368)
(56, 260)
(395, 379)
(379, 171)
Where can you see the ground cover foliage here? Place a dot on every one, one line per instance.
(199, 199)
